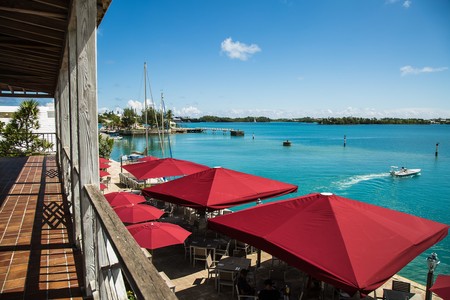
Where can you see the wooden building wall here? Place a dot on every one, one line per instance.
(110, 253)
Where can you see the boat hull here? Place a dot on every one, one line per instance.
(405, 172)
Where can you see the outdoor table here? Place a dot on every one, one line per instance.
(174, 220)
(232, 263)
(205, 243)
(396, 295)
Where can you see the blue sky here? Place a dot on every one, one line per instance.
(278, 58)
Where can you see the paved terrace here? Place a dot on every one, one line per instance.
(37, 260)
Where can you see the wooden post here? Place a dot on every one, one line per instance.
(73, 111)
(86, 26)
(345, 140)
(437, 150)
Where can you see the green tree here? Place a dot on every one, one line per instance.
(18, 137)
(129, 117)
(105, 145)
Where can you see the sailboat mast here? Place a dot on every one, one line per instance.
(145, 108)
(162, 122)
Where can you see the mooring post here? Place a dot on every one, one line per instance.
(345, 140)
(437, 150)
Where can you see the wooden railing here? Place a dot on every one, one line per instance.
(47, 136)
(118, 255)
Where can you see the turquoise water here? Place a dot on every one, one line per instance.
(318, 162)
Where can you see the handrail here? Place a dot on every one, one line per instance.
(138, 270)
(48, 136)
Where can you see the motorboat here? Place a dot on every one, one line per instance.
(402, 172)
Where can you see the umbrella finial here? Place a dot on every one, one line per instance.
(326, 194)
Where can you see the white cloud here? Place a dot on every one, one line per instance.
(409, 70)
(189, 111)
(405, 3)
(238, 50)
(134, 104)
(412, 112)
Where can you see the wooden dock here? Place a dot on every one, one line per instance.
(233, 132)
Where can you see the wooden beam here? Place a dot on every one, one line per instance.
(87, 130)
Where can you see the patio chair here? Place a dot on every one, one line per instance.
(210, 266)
(244, 296)
(401, 286)
(278, 276)
(226, 278)
(240, 246)
(223, 251)
(187, 250)
(199, 253)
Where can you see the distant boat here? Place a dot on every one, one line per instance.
(286, 143)
(237, 133)
(402, 172)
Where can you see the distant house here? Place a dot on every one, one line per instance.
(46, 117)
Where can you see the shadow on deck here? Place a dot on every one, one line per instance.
(37, 257)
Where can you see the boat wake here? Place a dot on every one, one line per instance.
(349, 182)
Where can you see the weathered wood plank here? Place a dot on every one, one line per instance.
(73, 108)
(86, 11)
(139, 271)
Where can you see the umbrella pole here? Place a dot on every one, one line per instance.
(258, 258)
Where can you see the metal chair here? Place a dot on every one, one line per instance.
(240, 246)
(210, 266)
(227, 278)
(278, 276)
(224, 251)
(244, 296)
(199, 253)
(401, 286)
(187, 250)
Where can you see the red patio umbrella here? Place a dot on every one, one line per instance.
(103, 186)
(148, 158)
(103, 160)
(136, 213)
(441, 286)
(103, 166)
(218, 188)
(103, 173)
(123, 198)
(163, 167)
(352, 245)
(153, 235)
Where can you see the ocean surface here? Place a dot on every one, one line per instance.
(317, 161)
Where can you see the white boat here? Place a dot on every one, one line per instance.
(402, 172)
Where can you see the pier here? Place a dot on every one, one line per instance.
(233, 132)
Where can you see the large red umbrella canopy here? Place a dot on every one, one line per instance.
(218, 188)
(352, 245)
(163, 167)
(123, 198)
(153, 235)
(103, 173)
(136, 213)
(441, 286)
(148, 158)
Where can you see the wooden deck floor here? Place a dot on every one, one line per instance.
(37, 260)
